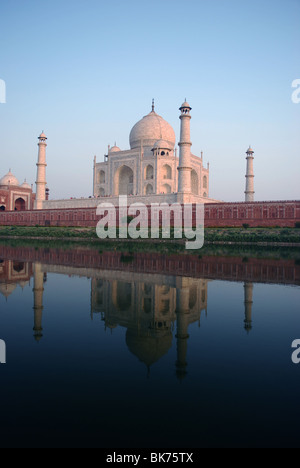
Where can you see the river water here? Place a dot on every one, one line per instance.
(147, 350)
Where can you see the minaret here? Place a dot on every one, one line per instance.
(95, 177)
(250, 177)
(182, 312)
(38, 290)
(248, 289)
(41, 173)
(184, 177)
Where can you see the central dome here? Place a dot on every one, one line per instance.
(151, 129)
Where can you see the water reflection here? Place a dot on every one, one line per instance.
(13, 274)
(150, 306)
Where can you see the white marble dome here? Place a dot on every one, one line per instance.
(9, 179)
(26, 185)
(151, 129)
(7, 289)
(163, 144)
(115, 149)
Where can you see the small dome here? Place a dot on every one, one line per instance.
(151, 129)
(163, 144)
(114, 149)
(42, 136)
(23, 284)
(250, 150)
(185, 105)
(9, 179)
(26, 185)
(7, 289)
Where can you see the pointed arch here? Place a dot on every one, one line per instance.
(195, 182)
(166, 188)
(124, 181)
(166, 172)
(149, 189)
(20, 204)
(149, 172)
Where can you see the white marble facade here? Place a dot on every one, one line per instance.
(150, 166)
(151, 171)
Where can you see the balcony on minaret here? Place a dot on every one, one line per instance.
(42, 138)
(185, 108)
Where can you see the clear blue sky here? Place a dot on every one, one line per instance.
(85, 71)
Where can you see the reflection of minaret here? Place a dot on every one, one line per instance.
(38, 290)
(248, 288)
(183, 297)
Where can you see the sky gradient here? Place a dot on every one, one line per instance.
(86, 71)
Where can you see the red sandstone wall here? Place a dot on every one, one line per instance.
(230, 268)
(283, 214)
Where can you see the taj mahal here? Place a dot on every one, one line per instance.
(151, 166)
(153, 170)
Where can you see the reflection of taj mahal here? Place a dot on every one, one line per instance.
(13, 274)
(149, 307)
(154, 308)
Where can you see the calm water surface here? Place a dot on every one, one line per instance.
(110, 350)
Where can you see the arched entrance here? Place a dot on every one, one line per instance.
(122, 296)
(20, 204)
(195, 183)
(149, 173)
(149, 189)
(166, 188)
(166, 172)
(102, 177)
(18, 267)
(2, 208)
(124, 181)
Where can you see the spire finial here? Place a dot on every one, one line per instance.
(153, 105)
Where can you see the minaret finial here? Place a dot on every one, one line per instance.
(153, 105)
